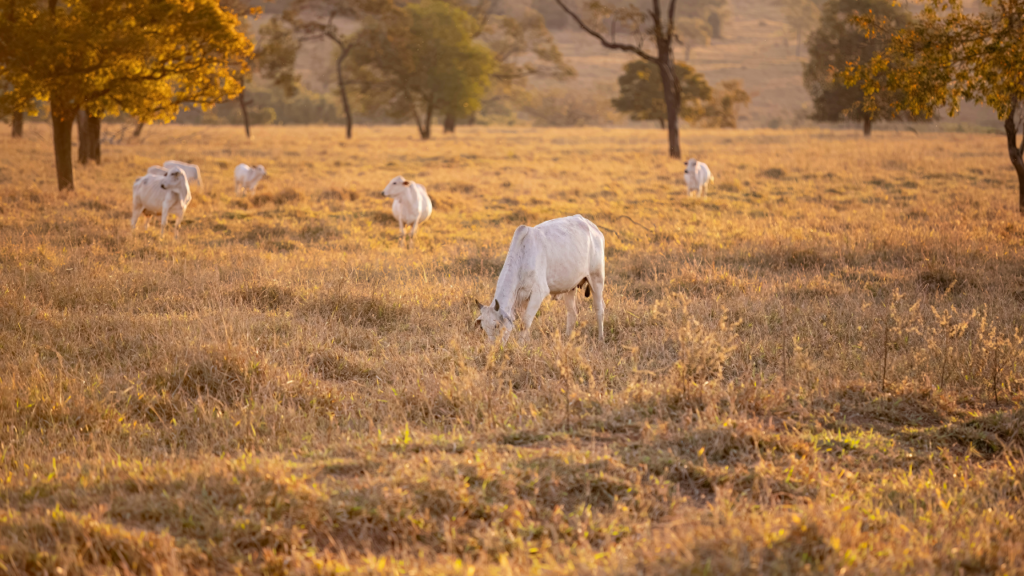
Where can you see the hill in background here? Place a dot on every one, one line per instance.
(757, 48)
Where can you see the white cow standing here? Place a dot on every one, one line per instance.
(247, 178)
(697, 176)
(555, 257)
(195, 178)
(411, 207)
(163, 194)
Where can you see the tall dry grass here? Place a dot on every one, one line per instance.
(816, 368)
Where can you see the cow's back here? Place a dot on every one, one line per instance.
(570, 249)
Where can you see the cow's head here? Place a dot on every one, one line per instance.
(176, 181)
(690, 165)
(493, 320)
(397, 185)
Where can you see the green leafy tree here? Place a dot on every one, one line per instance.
(838, 40)
(948, 56)
(641, 96)
(148, 58)
(421, 59)
(522, 48)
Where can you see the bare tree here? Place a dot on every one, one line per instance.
(655, 25)
(315, 19)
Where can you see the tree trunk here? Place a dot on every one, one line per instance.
(797, 44)
(867, 126)
(17, 124)
(1016, 155)
(449, 123)
(245, 113)
(89, 128)
(83, 137)
(686, 56)
(425, 127)
(63, 122)
(138, 130)
(344, 94)
(662, 122)
(668, 85)
(93, 128)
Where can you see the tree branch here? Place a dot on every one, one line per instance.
(604, 41)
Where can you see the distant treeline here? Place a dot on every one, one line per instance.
(272, 106)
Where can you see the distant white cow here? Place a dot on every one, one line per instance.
(555, 257)
(698, 176)
(195, 178)
(161, 194)
(247, 178)
(411, 207)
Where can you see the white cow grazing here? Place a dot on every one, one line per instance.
(195, 179)
(698, 176)
(555, 257)
(411, 207)
(247, 178)
(161, 194)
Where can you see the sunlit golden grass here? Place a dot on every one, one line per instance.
(816, 368)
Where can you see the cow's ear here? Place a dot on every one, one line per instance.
(497, 306)
(405, 182)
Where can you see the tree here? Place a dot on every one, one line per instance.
(801, 16)
(147, 58)
(16, 110)
(838, 40)
(316, 19)
(522, 48)
(641, 96)
(945, 57)
(657, 26)
(694, 32)
(273, 59)
(421, 59)
(17, 124)
(723, 106)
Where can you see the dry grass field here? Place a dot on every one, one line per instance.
(816, 369)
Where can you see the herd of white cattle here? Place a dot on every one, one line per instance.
(555, 258)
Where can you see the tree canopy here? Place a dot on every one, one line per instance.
(144, 57)
(642, 97)
(948, 56)
(838, 40)
(421, 59)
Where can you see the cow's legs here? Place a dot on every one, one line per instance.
(136, 212)
(412, 233)
(163, 221)
(569, 299)
(536, 299)
(597, 288)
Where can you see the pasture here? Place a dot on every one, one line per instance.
(817, 368)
